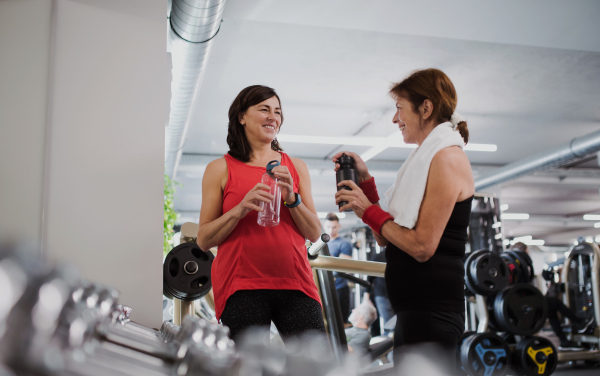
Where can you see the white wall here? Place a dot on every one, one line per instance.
(107, 109)
(25, 27)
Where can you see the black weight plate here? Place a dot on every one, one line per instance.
(484, 354)
(526, 268)
(187, 272)
(465, 335)
(489, 274)
(520, 309)
(468, 280)
(535, 356)
(528, 262)
(492, 324)
(514, 268)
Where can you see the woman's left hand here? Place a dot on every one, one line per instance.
(357, 201)
(286, 182)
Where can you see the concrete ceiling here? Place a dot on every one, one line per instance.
(527, 75)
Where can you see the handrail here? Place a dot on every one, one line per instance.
(336, 264)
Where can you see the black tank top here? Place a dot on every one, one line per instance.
(435, 285)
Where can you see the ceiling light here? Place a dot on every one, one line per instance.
(480, 147)
(324, 215)
(497, 224)
(506, 242)
(522, 239)
(592, 217)
(504, 207)
(597, 239)
(516, 216)
(498, 236)
(394, 141)
(535, 242)
(597, 225)
(372, 152)
(589, 239)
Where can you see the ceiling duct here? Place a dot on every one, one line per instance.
(578, 148)
(193, 26)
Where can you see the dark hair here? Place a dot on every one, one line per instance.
(239, 147)
(432, 84)
(332, 217)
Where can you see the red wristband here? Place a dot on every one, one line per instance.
(370, 190)
(375, 218)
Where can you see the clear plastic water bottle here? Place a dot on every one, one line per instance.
(269, 216)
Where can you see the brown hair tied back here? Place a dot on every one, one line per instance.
(239, 147)
(432, 84)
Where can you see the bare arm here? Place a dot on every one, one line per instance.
(215, 226)
(304, 215)
(450, 180)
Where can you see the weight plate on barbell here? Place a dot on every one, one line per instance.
(525, 263)
(468, 261)
(187, 272)
(535, 356)
(489, 273)
(484, 354)
(515, 273)
(520, 309)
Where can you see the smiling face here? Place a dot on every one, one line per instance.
(409, 121)
(262, 121)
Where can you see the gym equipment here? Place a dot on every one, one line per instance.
(520, 309)
(526, 264)
(314, 248)
(52, 323)
(186, 272)
(515, 273)
(535, 356)
(485, 228)
(484, 354)
(485, 273)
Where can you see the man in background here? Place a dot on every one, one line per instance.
(339, 247)
(358, 336)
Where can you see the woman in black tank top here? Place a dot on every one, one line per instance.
(425, 271)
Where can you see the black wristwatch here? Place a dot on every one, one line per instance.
(298, 201)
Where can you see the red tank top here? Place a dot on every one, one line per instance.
(255, 257)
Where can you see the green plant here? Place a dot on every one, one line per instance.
(171, 216)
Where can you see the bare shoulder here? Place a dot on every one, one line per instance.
(217, 166)
(216, 171)
(300, 165)
(452, 159)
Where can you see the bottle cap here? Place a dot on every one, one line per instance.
(345, 159)
(271, 165)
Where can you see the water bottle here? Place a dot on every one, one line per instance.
(269, 216)
(347, 171)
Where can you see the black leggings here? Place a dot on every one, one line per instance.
(555, 306)
(433, 336)
(292, 312)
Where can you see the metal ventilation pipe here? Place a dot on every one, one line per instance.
(578, 147)
(194, 24)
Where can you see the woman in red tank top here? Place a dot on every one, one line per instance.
(261, 274)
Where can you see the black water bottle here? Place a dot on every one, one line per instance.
(347, 171)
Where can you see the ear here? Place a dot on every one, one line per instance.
(426, 109)
(241, 119)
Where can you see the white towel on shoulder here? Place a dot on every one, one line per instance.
(405, 196)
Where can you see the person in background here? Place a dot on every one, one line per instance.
(339, 247)
(358, 337)
(379, 292)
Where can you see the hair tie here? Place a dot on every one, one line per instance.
(456, 118)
